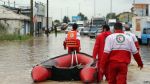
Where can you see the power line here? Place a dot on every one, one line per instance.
(110, 6)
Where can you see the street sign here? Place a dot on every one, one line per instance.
(76, 18)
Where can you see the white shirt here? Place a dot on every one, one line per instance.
(131, 35)
(119, 41)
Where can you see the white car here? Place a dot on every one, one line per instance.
(98, 32)
(69, 28)
(80, 28)
(84, 31)
(59, 28)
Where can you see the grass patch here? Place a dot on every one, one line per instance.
(10, 37)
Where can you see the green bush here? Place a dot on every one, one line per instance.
(10, 37)
(3, 29)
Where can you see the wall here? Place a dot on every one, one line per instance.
(141, 9)
(25, 28)
(16, 26)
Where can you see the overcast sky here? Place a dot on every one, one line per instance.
(60, 8)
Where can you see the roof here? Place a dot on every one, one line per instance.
(8, 14)
(125, 13)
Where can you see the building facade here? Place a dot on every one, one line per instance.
(125, 17)
(14, 23)
(141, 9)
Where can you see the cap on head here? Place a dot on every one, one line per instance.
(106, 27)
(127, 28)
(118, 26)
(74, 26)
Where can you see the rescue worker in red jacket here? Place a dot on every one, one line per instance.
(72, 41)
(129, 33)
(117, 51)
(99, 49)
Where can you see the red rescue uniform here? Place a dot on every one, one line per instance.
(117, 51)
(134, 38)
(72, 42)
(98, 51)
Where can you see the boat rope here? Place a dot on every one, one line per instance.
(72, 59)
(76, 57)
(74, 53)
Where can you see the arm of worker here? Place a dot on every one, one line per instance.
(105, 57)
(138, 60)
(64, 44)
(103, 61)
(137, 45)
(78, 40)
(136, 42)
(136, 55)
(78, 35)
(96, 48)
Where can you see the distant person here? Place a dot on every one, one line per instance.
(117, 52)
(99, 49)
(72, 41)
(55, 28)
(129, 33)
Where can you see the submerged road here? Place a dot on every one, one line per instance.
(18, 57)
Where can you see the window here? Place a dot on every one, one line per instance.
(146, 31)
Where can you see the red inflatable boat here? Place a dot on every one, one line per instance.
(66, 67)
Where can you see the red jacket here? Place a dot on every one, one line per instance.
(75, 37)
(99, 44)
(118, 49)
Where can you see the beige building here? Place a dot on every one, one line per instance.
(125, 16)
(14, 23)
(141, 9)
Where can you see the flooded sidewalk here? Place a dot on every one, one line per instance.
(17, 59)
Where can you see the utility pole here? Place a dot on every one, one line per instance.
(8, 3)
(128, 18)
(47, 21)
(61, 15)
(79, 7)
(110, 6)
(94, 7)
(14, 4)
(31, 18)
(133, 6)
(133, 2)
(67, 11)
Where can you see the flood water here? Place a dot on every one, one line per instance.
(18, 57)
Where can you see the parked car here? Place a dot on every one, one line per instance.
(145, 37)
(59, 28)
(92, 31)
(63, 26)
(98, 32)
(80, 29)
(84, 31)
(69, 28)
